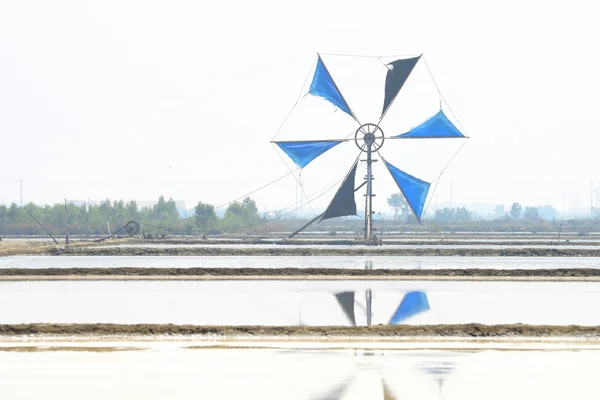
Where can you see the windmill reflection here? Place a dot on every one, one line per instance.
(384, 376)
(412, 303)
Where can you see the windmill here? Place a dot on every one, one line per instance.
(369, 139)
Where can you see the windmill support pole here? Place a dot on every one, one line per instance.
(44, 228)
(369, 197)
(303, 227)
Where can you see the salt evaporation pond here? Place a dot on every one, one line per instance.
(349, 262)
(169, 372)
(286, 303)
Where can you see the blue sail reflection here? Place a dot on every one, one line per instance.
(412, 303)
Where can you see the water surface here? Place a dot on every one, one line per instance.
(180, 373)
(286, 303)
(349, 262)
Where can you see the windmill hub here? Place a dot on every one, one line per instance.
(369, 137)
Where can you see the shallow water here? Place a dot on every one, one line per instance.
(179, 373)
(285, 303)
(391, 262)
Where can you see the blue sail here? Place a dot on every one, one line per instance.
(413, 303)
(438, 126)
(304, 152)
(414, 190)
(323, 86)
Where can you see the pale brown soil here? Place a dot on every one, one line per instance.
(87, 248)
(232, 273)
(350, 251)
(466, 330)
(13, 248)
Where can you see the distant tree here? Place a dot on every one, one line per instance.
(250, 206)
(547, 212)
(132, 211)
(398, 203)
(531, 214)
(463, 214)
(444, 214)
(515, 210)
(13, 212)
(499, 211)
(241, 214)
(205, 215)
(162, 213)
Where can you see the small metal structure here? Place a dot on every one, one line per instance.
(369, 138)
(132, 228)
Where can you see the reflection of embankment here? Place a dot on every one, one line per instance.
(296, 273)
(466, 330)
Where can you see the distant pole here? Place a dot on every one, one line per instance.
(66, 224)
(450, 193)
(21, 180)
(592, 196)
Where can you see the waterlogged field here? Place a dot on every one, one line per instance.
(166, 370)
(344, 262)
(300, 303)
(215, 365)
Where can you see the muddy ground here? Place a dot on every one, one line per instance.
(466, 330)
(350, 251)
(14, 248)
(11, 248)
(233, 273)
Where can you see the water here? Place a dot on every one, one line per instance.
(286, 303)
(348, 262)
(179, 372)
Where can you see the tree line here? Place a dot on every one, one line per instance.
(402, 212)
(109, 216)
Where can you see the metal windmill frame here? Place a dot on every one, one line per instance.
(369, 138)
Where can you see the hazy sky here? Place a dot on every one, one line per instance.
(133, 99)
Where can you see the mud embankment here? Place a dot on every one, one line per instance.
(323, 251)
(466, 330)
(14, 248)
(298, 273)
(392, 241)
(135, 247)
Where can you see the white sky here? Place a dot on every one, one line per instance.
(134, 99)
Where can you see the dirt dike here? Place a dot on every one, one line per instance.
(352, 248)
(465, 330)
(406, 241)
(350, 251)
(15, 248)
(300, 272)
